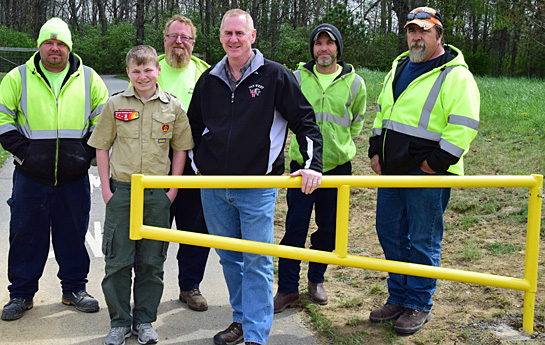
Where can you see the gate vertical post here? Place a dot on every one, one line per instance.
(137, 206)
(341, 233)
(532, 252)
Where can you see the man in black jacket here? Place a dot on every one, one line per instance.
(239, 115)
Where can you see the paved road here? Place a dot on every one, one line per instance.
(51, 322)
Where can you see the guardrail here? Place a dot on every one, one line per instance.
(528, 284)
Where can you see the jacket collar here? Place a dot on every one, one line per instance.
(219, 69)
(346, 68)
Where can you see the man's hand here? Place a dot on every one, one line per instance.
(106, 194)
(426, 168)
(375, 165)
(311, 179)
(171, 194)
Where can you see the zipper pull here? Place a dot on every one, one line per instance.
(232, 97)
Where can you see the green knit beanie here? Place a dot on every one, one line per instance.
(55, 29)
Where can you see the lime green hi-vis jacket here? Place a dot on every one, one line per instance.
(47, 135)
(339, 112)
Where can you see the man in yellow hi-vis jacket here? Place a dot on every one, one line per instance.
(427, 116)
(48, 109)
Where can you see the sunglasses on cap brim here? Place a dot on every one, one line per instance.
(423, 15)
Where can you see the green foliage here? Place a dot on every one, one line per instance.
(12, 38)
(479, 62)
(291, 49)
(3, 155)
(105, 54)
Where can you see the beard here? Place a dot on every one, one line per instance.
(325, 62)
(418, 52)
(175, 60)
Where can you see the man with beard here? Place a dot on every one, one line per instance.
(427, 116)
(180, 71)
(338, 97)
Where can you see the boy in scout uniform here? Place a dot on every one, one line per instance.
(138, 125)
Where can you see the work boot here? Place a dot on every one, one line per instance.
(117, 336)
(230, 336)
(285, 300)
(146, 334)
(194, 299)
(386, 313)
(82, 301)
(317, 293)
(15, 308)
(412, 320)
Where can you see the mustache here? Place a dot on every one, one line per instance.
(418, 44)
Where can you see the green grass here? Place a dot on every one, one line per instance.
(499, 248)
(470, 251)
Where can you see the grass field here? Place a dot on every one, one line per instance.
(485, 232)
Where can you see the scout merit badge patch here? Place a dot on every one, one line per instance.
(126, 114)
(165, 129)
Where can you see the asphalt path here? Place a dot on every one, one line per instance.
(51, 322)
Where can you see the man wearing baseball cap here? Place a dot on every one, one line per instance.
(48, 109)
(338, 96)
(427, 116)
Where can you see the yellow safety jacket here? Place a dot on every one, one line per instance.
(339, 109)
(434, 119)
(46, 134)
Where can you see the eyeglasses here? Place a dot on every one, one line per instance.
(423, 15)
(184, 38)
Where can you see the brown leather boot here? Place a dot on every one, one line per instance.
(230, 336)
(386, 313)
(317, 293)
(412, 320)
(285, 300)
(194, 299)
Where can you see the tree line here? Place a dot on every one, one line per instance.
(498, 37)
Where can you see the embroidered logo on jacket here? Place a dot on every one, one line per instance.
(255, 89)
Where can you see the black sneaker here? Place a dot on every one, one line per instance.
(82, 301)
(15, 308)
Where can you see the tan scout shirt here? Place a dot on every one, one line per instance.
(139, 133)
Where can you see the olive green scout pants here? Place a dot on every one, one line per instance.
(122, 255)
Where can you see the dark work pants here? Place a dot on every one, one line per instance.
(324, 201)
(187, 210)
(40, 213)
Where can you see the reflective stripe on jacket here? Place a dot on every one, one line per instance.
(339, 112)
(437, 113)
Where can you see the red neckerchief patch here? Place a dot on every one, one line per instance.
(126, 114)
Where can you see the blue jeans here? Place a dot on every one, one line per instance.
(300, 205)
(410, 229)
(246, 214)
